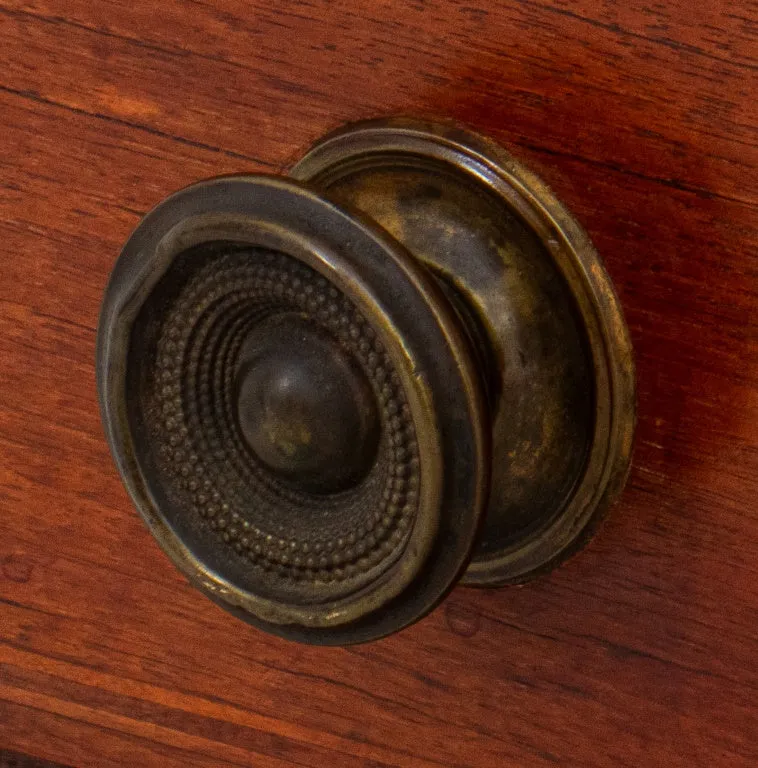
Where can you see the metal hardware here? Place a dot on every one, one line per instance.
(333, 395)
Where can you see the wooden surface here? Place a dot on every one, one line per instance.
(642, 650)
(10, 759)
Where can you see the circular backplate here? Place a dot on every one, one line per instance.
(187, 304)
(553, 347)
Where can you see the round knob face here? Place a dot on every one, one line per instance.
(294, 409)
(304, 407)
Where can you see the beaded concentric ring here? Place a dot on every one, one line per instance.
(292, 537)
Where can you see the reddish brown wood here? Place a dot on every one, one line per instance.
(10, 759)
(642, 650)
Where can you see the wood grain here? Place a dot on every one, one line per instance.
(642, 650)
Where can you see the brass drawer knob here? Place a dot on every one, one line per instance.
(334, 394)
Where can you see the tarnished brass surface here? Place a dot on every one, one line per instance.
(326, 394)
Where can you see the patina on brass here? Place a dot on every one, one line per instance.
(334, 395)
